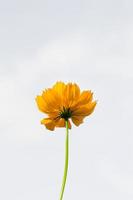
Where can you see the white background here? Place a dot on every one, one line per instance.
(88, 42)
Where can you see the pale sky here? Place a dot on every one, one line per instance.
(87, 42)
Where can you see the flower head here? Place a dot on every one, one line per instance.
(63, 102)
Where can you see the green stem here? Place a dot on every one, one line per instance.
(66, 162)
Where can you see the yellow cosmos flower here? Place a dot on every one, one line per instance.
(63, 102)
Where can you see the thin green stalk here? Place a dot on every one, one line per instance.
(66, 162)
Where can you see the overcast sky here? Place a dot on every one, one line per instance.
(88, 42)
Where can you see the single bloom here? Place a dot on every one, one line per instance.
(65, 102)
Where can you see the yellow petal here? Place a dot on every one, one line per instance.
(51, 98)
(49, 123)
(59, 88)
(91, 106)
(76, 91)
(71, 93)
(77, 120)
(41, 104)
(84, 110)
(53, 114)
(85, 97)
(62, 123)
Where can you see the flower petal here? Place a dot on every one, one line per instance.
(77, 120)
(49, 123)
(62, 123)
(84, 110)
(71, 93)
(41, 104)
(85, 97)
(59, 88)
(54, 114)
(76, 91)
(51, 99)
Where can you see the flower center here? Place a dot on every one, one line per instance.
(66, 113)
